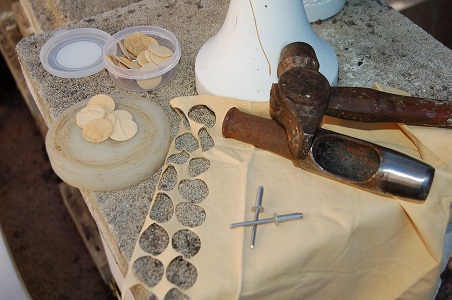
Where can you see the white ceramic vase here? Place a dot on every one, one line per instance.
(241, 60)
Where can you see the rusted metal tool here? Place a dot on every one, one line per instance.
(298, 103)
(348, 160)
(300, 98)
(356, 103)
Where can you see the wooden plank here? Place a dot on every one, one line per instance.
(5, 5)
(87, 228)
(21, 19)
(33, 21)
(10, 35)
(403, 4)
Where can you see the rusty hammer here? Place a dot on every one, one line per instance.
(365, 104)
(298, 103)
(307, 96)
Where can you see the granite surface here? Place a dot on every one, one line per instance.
(373, 42)
(120, 214)
(46, 15)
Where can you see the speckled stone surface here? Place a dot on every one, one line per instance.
(373, 42)
(120, 214)
(46, 15)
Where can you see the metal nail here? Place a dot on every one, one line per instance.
(257, 209)
(276, 219)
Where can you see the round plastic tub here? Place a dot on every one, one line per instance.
(132, 79)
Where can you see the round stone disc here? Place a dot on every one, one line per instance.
(109, 165)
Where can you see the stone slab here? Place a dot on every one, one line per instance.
(374, 43)
(46, 15)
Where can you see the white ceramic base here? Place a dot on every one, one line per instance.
(241, 60)
(322, 9)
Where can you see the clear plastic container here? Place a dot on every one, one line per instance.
(130, 78)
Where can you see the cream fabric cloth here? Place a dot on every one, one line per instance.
(351, 244)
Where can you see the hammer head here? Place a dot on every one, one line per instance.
(299, 100)
(297, 54)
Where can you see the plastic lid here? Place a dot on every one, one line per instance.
(74, 53)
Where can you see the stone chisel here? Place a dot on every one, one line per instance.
(346, 159)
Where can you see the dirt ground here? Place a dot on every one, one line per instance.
(46, 246)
